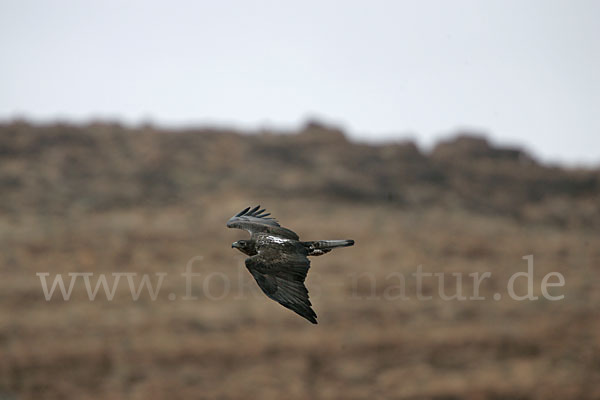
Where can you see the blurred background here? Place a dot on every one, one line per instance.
(459, 137)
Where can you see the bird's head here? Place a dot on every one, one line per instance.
(245, 246)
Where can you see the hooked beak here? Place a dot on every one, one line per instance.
(234, 245)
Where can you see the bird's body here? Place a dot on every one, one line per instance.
(278, 260)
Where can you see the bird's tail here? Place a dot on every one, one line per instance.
(330, 244)
(319, 247)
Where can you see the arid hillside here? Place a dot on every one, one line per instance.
(58, 169)
(101, 200)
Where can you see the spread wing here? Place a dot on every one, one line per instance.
(280, 272)
(257, 221)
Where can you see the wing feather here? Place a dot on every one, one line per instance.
(255, 221)
(281, 275)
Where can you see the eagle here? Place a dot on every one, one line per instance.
(278, 260)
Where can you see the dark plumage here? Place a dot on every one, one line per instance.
(278, 259)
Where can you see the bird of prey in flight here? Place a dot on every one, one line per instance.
(278, 259)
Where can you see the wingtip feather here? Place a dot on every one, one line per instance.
(254, 209)
(242, 212)
(254, 212)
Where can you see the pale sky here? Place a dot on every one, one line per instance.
(524, 72)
